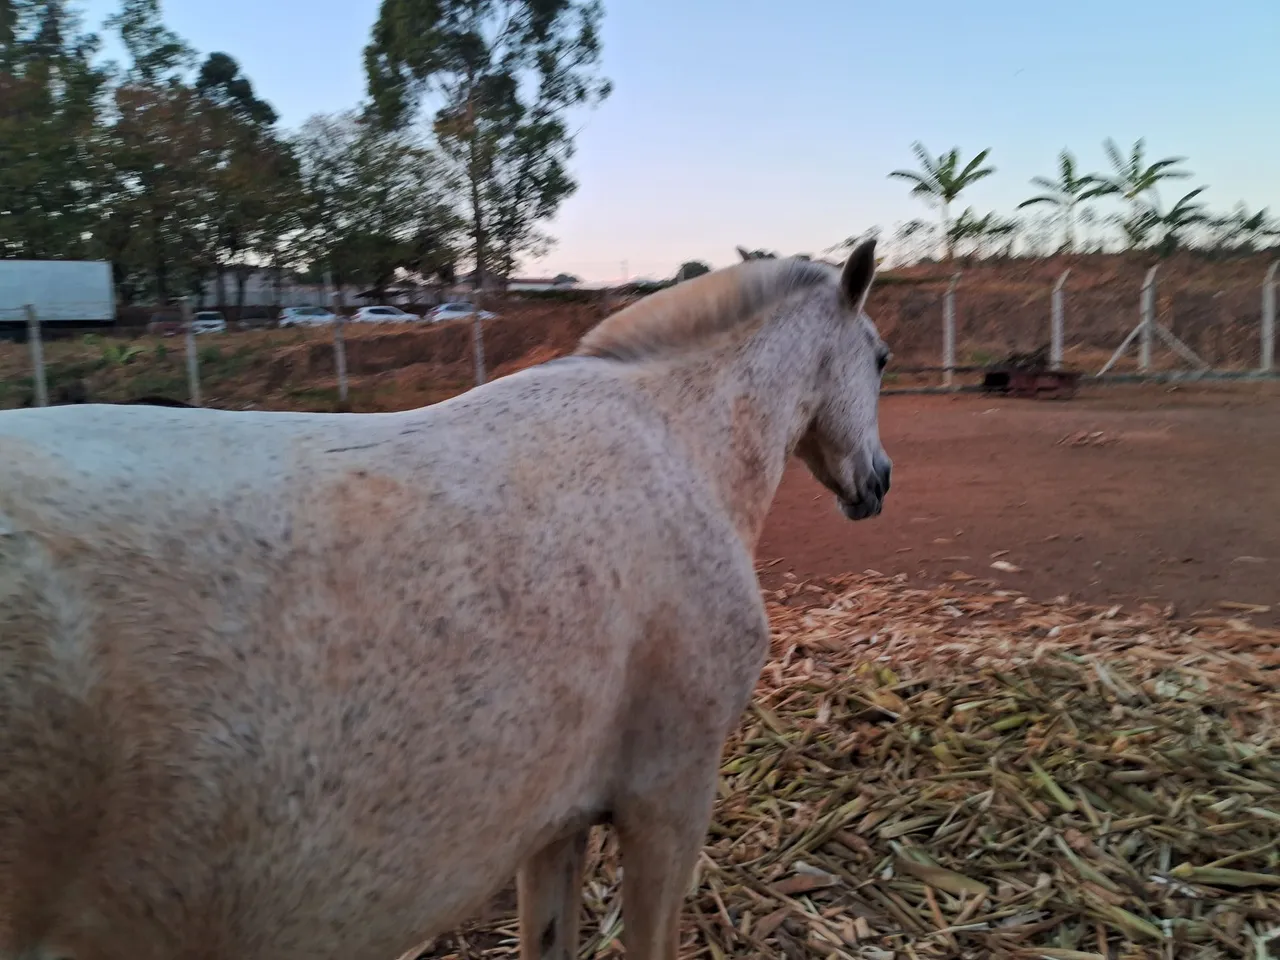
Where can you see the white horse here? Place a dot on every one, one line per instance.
(283, 686)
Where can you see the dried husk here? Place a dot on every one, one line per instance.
(962, 772)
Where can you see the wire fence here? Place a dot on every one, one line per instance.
(1198, 331)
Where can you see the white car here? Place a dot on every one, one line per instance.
(384, 315)
(458, 311)
(208, 321)
(305, 317)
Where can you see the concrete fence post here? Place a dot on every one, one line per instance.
(36, 345)
(193, 361)
(949, 332)
(340, 348)
(1148, 311)
(478, 346)
(1056, 321)
(1269, 319)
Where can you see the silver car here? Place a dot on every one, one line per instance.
(208, 321)
(305, 317)
(458, 311)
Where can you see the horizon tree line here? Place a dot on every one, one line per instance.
(1144, 222)
(173, 168)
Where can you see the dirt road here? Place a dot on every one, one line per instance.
(1123, 494)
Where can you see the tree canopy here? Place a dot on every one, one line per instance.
(502, 76)
(172, 166)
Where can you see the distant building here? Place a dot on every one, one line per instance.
(564, 281)
(269, 288)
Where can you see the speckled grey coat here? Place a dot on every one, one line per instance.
(284, 686)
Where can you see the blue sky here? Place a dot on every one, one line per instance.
(774, 124)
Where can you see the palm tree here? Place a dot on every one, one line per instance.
(980, 230)
(1066, 193)
(1186, 213)
(1137, 225)
(941, 180)
(1243, 231)
(1133, 179)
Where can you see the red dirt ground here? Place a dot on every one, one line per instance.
(1157, 495)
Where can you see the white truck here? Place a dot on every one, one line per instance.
(64, 293)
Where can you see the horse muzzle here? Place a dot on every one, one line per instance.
(869, 500)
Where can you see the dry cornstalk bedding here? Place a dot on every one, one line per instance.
(963, 772)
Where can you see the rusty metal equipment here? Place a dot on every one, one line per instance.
(1029, 376)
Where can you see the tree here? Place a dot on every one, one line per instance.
(1065, 195)
(253, 178)
(941, 180)
(979, 231)
(1135, 181)
(1182, 216)
(159, 163)
(50, 96)
(158, 54)
(690, 269)
(374, 202)
(1242, 231)
(1132, 178)
(221, 83)
(505, 73)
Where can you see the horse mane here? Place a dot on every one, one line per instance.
(694, 311)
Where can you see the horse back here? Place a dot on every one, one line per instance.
(305, 641)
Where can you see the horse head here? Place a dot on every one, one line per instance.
(841, 444)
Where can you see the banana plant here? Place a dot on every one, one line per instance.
(1132, 178)
(1182, 216)
(940, 181)
(1135, 181)
(1065, 194)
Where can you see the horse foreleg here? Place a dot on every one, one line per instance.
(661, 838)
(549, 887)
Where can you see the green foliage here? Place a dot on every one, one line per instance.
(221, 83)
(504, 73)
(157, 52)
(118, 354)
(1065, 194)
(978, 231)
(170, 181)
(1132, 178)
(50, 95)
(1241, 231)
(373, 201)
(940, 181)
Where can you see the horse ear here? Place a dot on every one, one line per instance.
(743, 254)
(859, 270)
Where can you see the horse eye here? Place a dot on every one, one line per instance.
(882, 361)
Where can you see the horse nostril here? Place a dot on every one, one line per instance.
(886, 474)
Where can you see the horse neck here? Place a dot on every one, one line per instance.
(741, 408)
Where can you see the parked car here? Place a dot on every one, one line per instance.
(458, 311)
(306, 317)
(384, 315)
(208, 321)
(165, 324)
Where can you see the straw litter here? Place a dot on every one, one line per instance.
(963, 772)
